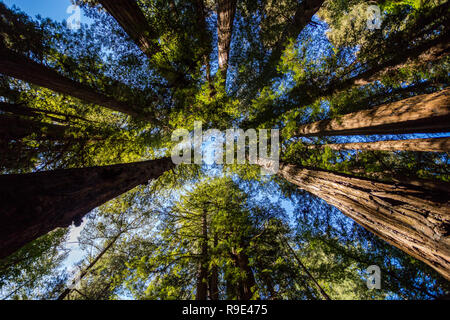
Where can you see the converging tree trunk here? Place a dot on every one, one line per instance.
(34, 204)
(202, 278)
(424, 145)
(226, 10)
(23, 68)
(16, 128)
(247, 282)
(86, 270)
(132, 20)
(421, 114)
(303, 15)
(214, 275)
(414, 220)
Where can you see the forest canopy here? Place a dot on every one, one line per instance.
(94, 208)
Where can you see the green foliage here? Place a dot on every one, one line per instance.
(149, 241)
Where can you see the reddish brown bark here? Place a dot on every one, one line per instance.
(226, 10)
(23, 68)
(132, 20)
(413, 219)
(424, 145)
(202, 277)
(421, 114)
(34, 204)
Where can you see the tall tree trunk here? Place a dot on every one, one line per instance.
(424, 145)
(132, 20)
(67, 291)
(34, 204)
(16, 128)
(303, 15)
(412, 219)
(22, 110)
(246, 283)
(433, 185)
(420, 114)
(426, 52)
(400, 50)
(214, 276)
(202, 278)
(23, 68)
(226, 10)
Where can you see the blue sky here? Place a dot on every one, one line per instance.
(54, 9)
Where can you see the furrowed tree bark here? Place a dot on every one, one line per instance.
(226, 10)
(413, 219)
(426, 113)
(34, 204)
(23, 68)
(434, 185)
(202, 278)
(424, 145)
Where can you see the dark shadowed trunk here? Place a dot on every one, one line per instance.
(226, 10)
(303, 15)
(426, 52)
(132, 20)
(202, 277)
(214, 276)
(424, 145)
(16, 128)
(23, 68)
(421, 114)
(247, 283)
(34, 204)
(413, 219)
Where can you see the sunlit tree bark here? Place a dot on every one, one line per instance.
(424, 145)
(414, 220)
(421, 114)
